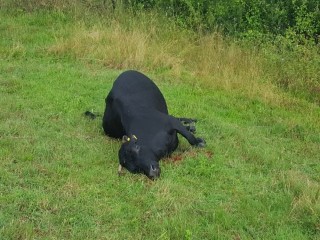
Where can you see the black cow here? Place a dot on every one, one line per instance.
(136, 111)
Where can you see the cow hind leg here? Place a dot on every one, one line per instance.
(180, 128)
(187, 120)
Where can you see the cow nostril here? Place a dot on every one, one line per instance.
(152, 168)
(154, 172)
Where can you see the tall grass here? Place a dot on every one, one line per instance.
(115, 36)
(116, 47)
(154, 41)
(153, 44)
(294, 67)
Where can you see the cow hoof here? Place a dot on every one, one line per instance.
(201, 142)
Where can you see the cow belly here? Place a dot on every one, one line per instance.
(111, 124)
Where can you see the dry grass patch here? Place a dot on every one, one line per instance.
(209, 60)
(116, 47)
(224, 65)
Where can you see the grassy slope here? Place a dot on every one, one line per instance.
(258, 177)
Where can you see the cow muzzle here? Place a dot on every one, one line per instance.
(154, 172)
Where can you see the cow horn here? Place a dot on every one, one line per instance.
(125, 139)
(120, 169)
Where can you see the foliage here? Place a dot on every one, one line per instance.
(243, 17)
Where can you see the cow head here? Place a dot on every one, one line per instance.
(137, 158)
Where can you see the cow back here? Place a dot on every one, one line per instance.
(135, 89)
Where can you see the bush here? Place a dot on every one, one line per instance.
(239, 18)
(242, 17)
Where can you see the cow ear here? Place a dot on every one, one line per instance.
(125, 139)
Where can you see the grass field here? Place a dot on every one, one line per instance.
(258, 177)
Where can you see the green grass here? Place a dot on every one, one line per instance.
(258, 177)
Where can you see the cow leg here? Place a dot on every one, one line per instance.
(189, 123)
(187, 120)
(178, 126)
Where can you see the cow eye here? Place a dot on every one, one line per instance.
(135, 149)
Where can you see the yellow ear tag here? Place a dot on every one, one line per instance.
(128, 139)
(134, 136)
